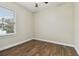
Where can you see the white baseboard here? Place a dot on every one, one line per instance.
(70, 45)
(54, 42)
(76, 50)
(14, 44)
(41, 40)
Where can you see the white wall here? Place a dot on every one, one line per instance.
(23, 26)
(55, 24)
(76, 25)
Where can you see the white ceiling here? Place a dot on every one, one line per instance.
(31, 5)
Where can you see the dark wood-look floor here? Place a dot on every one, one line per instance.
(39, 48)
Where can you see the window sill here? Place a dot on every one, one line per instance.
(7, 34)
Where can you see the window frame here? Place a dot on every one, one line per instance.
(14, 15)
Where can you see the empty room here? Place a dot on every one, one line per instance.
(39, 28)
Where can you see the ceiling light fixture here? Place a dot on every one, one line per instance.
(36, 3)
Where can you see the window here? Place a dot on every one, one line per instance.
(7, 21)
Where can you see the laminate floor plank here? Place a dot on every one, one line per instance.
(39, 48)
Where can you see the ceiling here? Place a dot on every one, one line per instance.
(41, 5)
